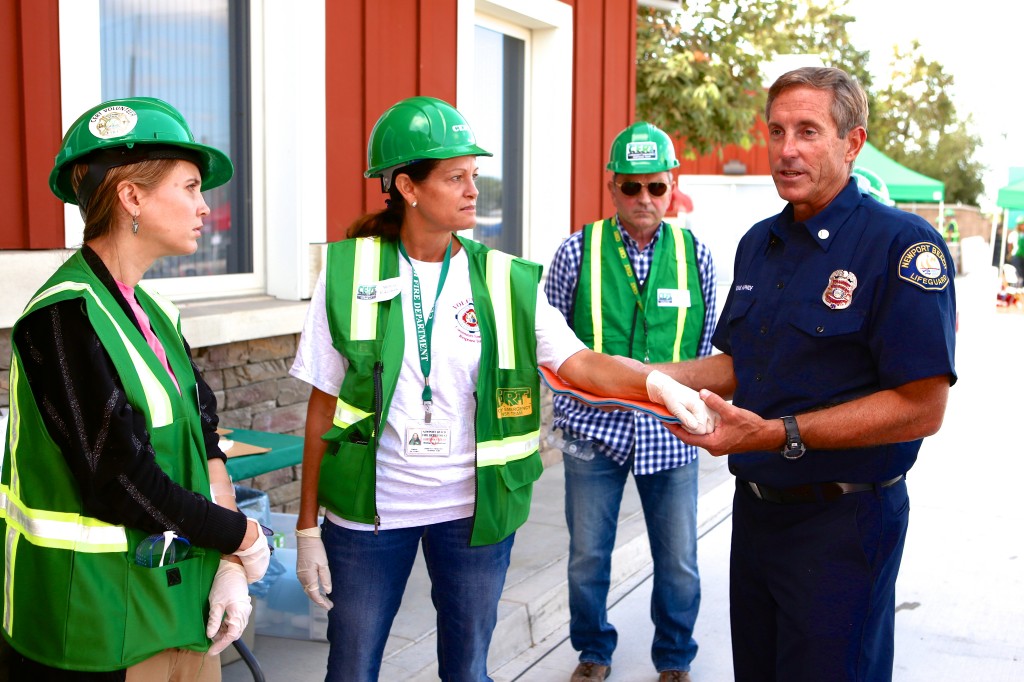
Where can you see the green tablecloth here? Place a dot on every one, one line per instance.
(285, 451)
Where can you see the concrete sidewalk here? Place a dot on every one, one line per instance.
(533, 614)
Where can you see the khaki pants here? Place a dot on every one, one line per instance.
(176, 665)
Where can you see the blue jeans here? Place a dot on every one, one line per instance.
(593, 494)
(369, 572)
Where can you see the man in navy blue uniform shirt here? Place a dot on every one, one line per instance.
(837, 343)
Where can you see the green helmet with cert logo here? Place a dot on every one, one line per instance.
(414, 129)
(119, 132)
(642, 148)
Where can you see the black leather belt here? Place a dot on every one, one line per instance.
(814, 492)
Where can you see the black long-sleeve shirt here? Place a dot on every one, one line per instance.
(104, 441)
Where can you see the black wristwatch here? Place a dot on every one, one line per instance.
(794, 446)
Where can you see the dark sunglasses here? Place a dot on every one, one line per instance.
(631, 188)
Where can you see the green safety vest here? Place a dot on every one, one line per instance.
(73, 596)
(370, 335)
(606, 315)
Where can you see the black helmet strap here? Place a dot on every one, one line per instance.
(104, 159)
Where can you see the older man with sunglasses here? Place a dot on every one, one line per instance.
(632, 285)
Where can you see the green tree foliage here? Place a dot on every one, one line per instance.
(914, 122)
(699, 70)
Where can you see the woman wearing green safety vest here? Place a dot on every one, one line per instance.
(117, 511)
(423, 424)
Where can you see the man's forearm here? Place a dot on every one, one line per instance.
(714, 373)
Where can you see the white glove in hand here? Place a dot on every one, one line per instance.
(311, 566)
(256, 557)
(683, 402)
(230, 606)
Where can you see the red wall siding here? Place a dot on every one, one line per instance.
(30, 119)
(372, 62)
(755, 158)
(604, 98)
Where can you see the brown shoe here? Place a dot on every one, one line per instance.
(674, 676)
(591, 672)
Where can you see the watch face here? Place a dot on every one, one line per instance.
(794, 450)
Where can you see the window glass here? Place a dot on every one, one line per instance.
(194, 54)
(496, 115)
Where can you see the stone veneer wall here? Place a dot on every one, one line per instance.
(255, 391)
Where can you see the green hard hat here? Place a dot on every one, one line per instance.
(870, 183)
(414, 129)
(642, 148)
(123, 131)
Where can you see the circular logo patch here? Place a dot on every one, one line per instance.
(924, 264)
(465, 319)
(111, 122)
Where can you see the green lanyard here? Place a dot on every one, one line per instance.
(424, 327)
(634, 287)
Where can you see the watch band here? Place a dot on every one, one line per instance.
(794, 447)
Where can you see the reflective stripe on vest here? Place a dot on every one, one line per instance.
(345, 415)
(596, 320)
(367, 269)
(499, 284)
(159, 402)
(62, 530)
(683, 283)
(510, 449)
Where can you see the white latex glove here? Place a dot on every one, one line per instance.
(311, 566)
(230, 606)
(256, 557)
(683, 402)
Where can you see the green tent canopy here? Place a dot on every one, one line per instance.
(904, 184)
(1011, 196)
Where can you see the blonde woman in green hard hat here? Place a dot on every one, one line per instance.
(125, 555)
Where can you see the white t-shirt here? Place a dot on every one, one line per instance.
(417, 490)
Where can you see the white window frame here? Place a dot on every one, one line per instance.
(547, 154)
(288, 118)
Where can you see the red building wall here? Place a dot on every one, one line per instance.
(373, 60)
(755, 158)
(30, 121)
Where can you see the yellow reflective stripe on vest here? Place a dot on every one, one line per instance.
(499, 284)
(158, 400)
(345, 414)
(682, 284)
(13, 422)
(596, 232)
(367, 270)
(510, 449)
(62, 530)
(11, 554)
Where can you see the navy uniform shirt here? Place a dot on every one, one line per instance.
(855, 300)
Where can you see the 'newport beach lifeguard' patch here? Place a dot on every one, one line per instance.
(924, 264)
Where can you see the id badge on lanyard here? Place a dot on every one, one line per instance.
(429, 439)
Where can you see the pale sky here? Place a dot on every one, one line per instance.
(974, 42)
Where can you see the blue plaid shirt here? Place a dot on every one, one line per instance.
(620, 434)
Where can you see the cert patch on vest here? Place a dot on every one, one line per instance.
(673, 298)
(839, 292)
(514, 402)
(384, 290)
(924, 264)
(641, 151)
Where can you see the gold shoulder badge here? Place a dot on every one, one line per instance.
(111, 122)
(514, 402)
(839, 292)
(924, 264)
